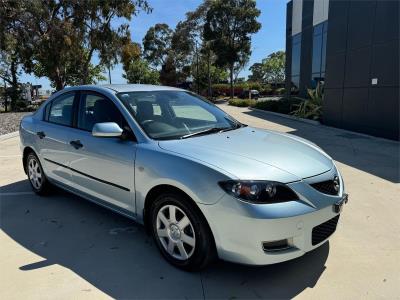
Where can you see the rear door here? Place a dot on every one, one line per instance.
(102, 167)
(54, 135)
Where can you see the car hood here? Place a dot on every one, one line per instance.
(250, 153)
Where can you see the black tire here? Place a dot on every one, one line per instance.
(40, 186)
(204, 251)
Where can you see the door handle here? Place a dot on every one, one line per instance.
(76, 144)
(40, 134)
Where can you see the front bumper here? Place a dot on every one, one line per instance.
(241, 229)
(240, 238)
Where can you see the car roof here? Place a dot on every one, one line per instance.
(137, 87)
(116, 88)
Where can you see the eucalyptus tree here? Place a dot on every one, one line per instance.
(157, 44)
(140, 72)
(10, 49)
(229, 25)
(61, 38)
(168, 51)
(257, 72)
(191, 51)
(271, 69)
(274, 67)
(137, 69)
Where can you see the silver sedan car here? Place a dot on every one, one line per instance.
(203, 184)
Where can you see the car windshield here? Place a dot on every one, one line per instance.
(165, 115)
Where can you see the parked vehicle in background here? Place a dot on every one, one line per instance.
(252, 94)
(202, 183)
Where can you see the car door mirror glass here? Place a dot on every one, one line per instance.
(106, 129)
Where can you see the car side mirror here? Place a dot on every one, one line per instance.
(106, 129)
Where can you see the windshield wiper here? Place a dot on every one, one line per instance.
(237, 126)
(206, 131)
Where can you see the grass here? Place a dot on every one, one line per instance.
(283, 105)
(242, 102)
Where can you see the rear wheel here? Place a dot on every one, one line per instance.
(181, 233)
(36, 176)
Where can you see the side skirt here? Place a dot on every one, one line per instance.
(114, 208)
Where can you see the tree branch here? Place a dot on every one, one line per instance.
(6, 79)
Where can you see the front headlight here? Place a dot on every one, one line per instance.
(259, 191)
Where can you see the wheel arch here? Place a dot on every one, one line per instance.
(25, 153)
(157, 190)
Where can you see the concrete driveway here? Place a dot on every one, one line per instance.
(64, 247)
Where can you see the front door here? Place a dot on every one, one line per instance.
(102, 167)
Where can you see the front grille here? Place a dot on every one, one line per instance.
(324, 230)
(326, 187)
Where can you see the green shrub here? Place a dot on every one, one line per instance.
(311, 108)
(225, 88)
(266, 89)
(280, 91)
(253, 86)
(243, 102)
(283, 105)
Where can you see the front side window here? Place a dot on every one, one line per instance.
(95, 108)
(61, 110)
(175, 114)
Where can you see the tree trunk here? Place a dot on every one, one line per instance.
(231, 78)
(5, 95)
(14, 85)
(209, 93)
(59, 85)
(85, 78)
(197, 71)
(58, 80)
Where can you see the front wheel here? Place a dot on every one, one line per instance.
(181, 233)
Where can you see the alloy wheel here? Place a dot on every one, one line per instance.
(175, 232)
(35, 173)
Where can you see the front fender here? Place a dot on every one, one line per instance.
(154, 167)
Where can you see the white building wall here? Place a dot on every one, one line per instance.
(297, 16)
(321, 10)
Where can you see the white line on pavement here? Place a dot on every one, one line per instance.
(15, 155)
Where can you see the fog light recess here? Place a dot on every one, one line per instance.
(276, 246)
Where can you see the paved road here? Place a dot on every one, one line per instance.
(64, 247)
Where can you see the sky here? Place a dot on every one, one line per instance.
(270, 38)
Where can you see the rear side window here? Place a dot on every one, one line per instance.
(61, 110)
